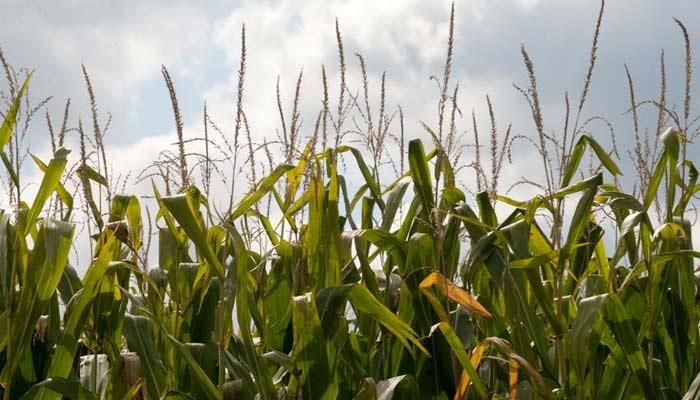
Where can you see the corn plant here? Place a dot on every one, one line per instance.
(411, 289)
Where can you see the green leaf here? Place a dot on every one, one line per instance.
(421, 175)
(486, 211)
(581, 338)
(62, 361)
(603, 156)
(138, 331)
(366, 174)
(10, 169)
(296, 175)
(393, 203)
(398, 387)
(442, 163)
(386, 241)
(655, 180)
(61, 191)
(620, 323)
(310, 352)
(182, 207)
(534, 262)
(8, 124)
(66, 388)
(259, 191)
(577, 153)
(195, 369)
(45, 268)
(595, 180)
(461, 354)
(245, 312)
(93, 175)
(581, 216)
(182, 350)
(49, 183)
(363, 301)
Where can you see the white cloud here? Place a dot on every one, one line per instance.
(123, 47)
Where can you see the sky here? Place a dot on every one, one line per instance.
(124, 43)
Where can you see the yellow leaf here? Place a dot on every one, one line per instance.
(513, 378)
(465, 380)
(453, 292)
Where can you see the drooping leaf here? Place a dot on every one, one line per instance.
(182, 208)
(453, 292)
(259, 191)
(577, 153)
(68, 389)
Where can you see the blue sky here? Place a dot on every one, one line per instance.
(123, 45)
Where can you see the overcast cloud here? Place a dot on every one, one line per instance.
(123, 45)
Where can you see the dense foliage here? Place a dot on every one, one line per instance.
(412, 289)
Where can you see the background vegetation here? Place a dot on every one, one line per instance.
(346, 272)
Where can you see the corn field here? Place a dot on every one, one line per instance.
(328, 277)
